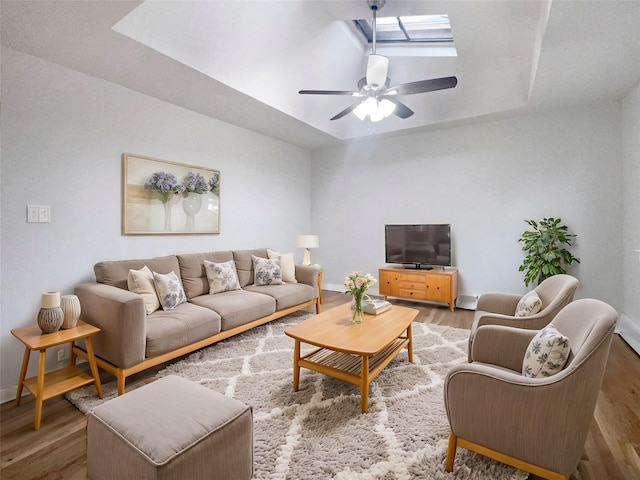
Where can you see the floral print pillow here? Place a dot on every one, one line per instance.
(530, 304)
(222, 277)
(266, 271)
(170, 291)
(547, 353)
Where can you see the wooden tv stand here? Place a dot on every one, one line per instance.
(437, 285)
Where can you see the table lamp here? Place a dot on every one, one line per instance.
(307, 242)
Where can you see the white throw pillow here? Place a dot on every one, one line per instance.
(287, 265)
(547, 353)
(170, 290)
(222, 277)
(529, 304)
(266, 271)
(141, 282)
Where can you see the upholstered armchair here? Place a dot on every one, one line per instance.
(539, 425)
(500, 308)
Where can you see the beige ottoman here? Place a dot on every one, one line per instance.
(170, 429)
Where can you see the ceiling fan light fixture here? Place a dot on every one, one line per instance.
(374, 109)
(377, 68)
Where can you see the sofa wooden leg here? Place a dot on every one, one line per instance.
(120, 381)
(317, 305)
(451, 452)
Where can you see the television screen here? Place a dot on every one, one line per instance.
(418, 245)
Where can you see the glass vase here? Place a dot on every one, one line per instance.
(356, 307)
(167, 216)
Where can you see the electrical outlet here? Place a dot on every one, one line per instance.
(32, 213)
(44, 214)
(60, 354)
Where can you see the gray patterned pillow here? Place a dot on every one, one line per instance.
(222, 277)
(529, 304)
(547, 353)
(266, 271)
(170, 291)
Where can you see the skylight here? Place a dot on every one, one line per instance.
(417, 28)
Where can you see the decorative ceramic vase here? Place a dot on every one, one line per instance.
(50, 316)
(191, 205)
(356, 307)
(71, 308)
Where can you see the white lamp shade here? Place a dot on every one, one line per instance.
(307, 241)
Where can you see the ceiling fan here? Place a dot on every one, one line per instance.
(378, 99)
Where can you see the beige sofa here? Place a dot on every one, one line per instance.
(131, 340)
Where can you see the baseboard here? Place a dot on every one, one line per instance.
(467, 302)
(629, 330)
(8, 394)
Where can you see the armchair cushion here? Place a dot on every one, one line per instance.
(529, 304)
(546, 354)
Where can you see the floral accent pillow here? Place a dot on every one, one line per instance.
(170, 290)
(266, 271)
(529, 304)
(287, 265)
(547, 353)
(141, 282)
(222, 277)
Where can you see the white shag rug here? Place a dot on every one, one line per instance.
(319, 432)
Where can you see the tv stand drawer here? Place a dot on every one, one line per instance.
(418, 278)
(411, 293)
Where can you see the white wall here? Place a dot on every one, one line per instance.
(630, 321)
(63, 135)
(485, 180)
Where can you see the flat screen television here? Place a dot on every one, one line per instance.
(422, 246)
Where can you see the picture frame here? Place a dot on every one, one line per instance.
(160, 197)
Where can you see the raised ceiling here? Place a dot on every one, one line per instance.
(243, 62)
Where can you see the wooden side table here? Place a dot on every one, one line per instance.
(48, 385)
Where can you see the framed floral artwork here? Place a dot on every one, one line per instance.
(163, 197)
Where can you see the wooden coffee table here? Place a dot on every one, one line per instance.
(352, 352)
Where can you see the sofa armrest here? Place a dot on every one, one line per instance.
(308, 274)
(122, 319)
(501, 346)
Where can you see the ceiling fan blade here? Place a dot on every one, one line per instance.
(401, 109)
(329, 92)
(423, 86)
(377, 68)
(346, 111)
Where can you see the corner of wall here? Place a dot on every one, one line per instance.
(629, 330)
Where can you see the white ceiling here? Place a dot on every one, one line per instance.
(243, 62)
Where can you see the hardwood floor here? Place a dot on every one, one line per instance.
(58, 449)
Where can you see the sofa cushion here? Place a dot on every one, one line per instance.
(266, 271)
(116, 272)
(546, 354)
(169, 288)
(222, 276)
(244, 264)
(185, 324)
(287, 265)
(193, 273)
(237, 307)
(286, 295)
(141, 282)
(529, 304)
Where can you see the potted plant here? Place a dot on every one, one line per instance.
(545, 247)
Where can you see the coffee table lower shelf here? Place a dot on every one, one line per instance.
(355, 369)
